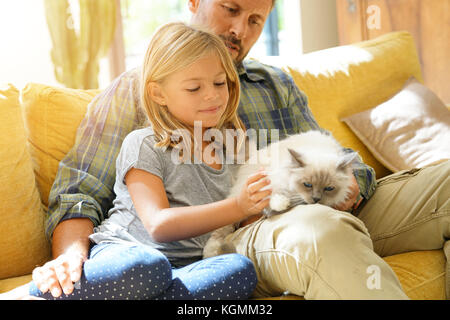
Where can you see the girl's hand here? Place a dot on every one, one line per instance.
(252, 200)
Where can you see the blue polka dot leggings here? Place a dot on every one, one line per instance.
(118, 271)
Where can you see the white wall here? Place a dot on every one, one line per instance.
(310, 25)
(291, 43)
(24, 43)
(319, 24)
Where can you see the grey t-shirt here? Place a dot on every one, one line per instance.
(185, 185)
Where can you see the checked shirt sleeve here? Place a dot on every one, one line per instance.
(83, 187)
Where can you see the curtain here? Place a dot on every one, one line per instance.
(76, 51)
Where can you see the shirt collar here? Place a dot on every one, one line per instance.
(244, 69)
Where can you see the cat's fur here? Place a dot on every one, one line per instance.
(305, 168)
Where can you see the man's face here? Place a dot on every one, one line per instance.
(238, 22)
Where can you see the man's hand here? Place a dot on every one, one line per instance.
(59, 275)
(351, 199)
(70, 246)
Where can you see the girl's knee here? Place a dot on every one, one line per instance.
(125, 259)
(149, 265)
(145, 257)
(233, 262)
(241, 262)
(240, 270)
(134, 272)
(229, 276)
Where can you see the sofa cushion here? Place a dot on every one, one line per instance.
(52, 117)
(421, 273)
(410, 130)
(22, 240)
(12, 283)
(349, 79)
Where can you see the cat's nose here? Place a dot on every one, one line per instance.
(316, 199)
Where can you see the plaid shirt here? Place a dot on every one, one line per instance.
(83, 187)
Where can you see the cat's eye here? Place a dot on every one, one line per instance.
(308, 185)
(329, 189)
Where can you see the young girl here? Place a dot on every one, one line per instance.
(151, 245)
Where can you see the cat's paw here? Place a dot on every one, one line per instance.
(279, 202)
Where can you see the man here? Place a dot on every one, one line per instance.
(313, 251)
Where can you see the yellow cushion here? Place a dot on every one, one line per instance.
(421, 273)
(23, 244)
(345, 80)
(11, 283)
(52, 116)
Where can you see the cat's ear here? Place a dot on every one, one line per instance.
(346, 160)
(296, 157)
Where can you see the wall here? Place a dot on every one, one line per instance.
(319, 24)
(310, 25)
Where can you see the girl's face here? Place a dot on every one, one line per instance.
(198, 92)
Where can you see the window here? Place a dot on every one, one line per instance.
(268, 43)
(142, 17)
(26, 44)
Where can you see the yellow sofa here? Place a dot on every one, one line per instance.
(39, 126)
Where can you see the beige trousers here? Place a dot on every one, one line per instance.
(320, 253)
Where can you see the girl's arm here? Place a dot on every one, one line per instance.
(166, 224)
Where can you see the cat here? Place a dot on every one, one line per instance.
(305, 168)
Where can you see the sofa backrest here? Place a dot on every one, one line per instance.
(52, 116)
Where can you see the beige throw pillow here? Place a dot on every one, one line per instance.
(410, 130)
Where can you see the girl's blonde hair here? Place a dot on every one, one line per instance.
(175, 46)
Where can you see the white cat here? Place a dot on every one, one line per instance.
(305, 168)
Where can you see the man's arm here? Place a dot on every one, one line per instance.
(72, 236)
(70, 250)
(83, 186)
(366, 179)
